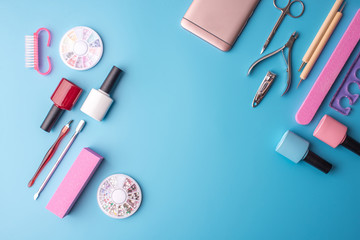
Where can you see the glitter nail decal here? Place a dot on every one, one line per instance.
(119, 196)
(81, 48)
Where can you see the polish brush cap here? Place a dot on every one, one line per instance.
(64, 97)
(110, 80)
(293, 147)
(330, 131)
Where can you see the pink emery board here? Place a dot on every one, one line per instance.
(330, 72)
(74, 182)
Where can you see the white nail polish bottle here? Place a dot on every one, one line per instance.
(98, 102)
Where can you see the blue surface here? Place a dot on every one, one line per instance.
(182, 125)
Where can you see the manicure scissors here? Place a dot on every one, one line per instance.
(289, 45)
(284, 11)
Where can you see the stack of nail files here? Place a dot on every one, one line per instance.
(320, 40)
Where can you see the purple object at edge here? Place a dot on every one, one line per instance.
(343, 90)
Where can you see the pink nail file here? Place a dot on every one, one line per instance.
(74, 182)
(330, 72)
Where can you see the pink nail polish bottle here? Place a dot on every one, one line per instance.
(334, 134)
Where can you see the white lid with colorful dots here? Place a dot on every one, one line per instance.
(119, 196)
(81, 48)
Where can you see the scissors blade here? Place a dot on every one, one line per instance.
(273, 31)
(265, 46)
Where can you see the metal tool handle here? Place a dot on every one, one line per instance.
(264, 88)
(289, 73)
(290, 45)
(47, 157)
(57, 163)
(64, 131)
(284, 11)
(287, 8)
(265, 57)
(280, 8)
(77, 131)
(275, 28)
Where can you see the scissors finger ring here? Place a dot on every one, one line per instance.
(302, 6)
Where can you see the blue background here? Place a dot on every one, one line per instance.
(182, 125)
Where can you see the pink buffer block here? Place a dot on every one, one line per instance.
(334, 134)
(330, 72)
(74, 182)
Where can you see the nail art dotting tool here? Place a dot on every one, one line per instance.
(79, 127)
(320, 33)
(309, 66)
(334, 134)
(64, 131)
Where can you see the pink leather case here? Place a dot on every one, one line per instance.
(218, 22)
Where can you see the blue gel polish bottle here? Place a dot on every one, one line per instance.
(295, 148)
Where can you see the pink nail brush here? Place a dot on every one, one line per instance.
(32, 51)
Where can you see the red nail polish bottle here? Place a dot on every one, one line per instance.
(64, 97)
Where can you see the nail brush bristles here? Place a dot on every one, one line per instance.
(29, 51)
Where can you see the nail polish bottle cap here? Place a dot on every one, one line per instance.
(293, 147)
(110, 80)
(330, 131)
(64, 97)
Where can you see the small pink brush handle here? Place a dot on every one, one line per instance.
(36, 37)
(330, 72)
(46, 30)
(49, 69)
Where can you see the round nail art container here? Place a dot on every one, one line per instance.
(81, 48)
(119, 196)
